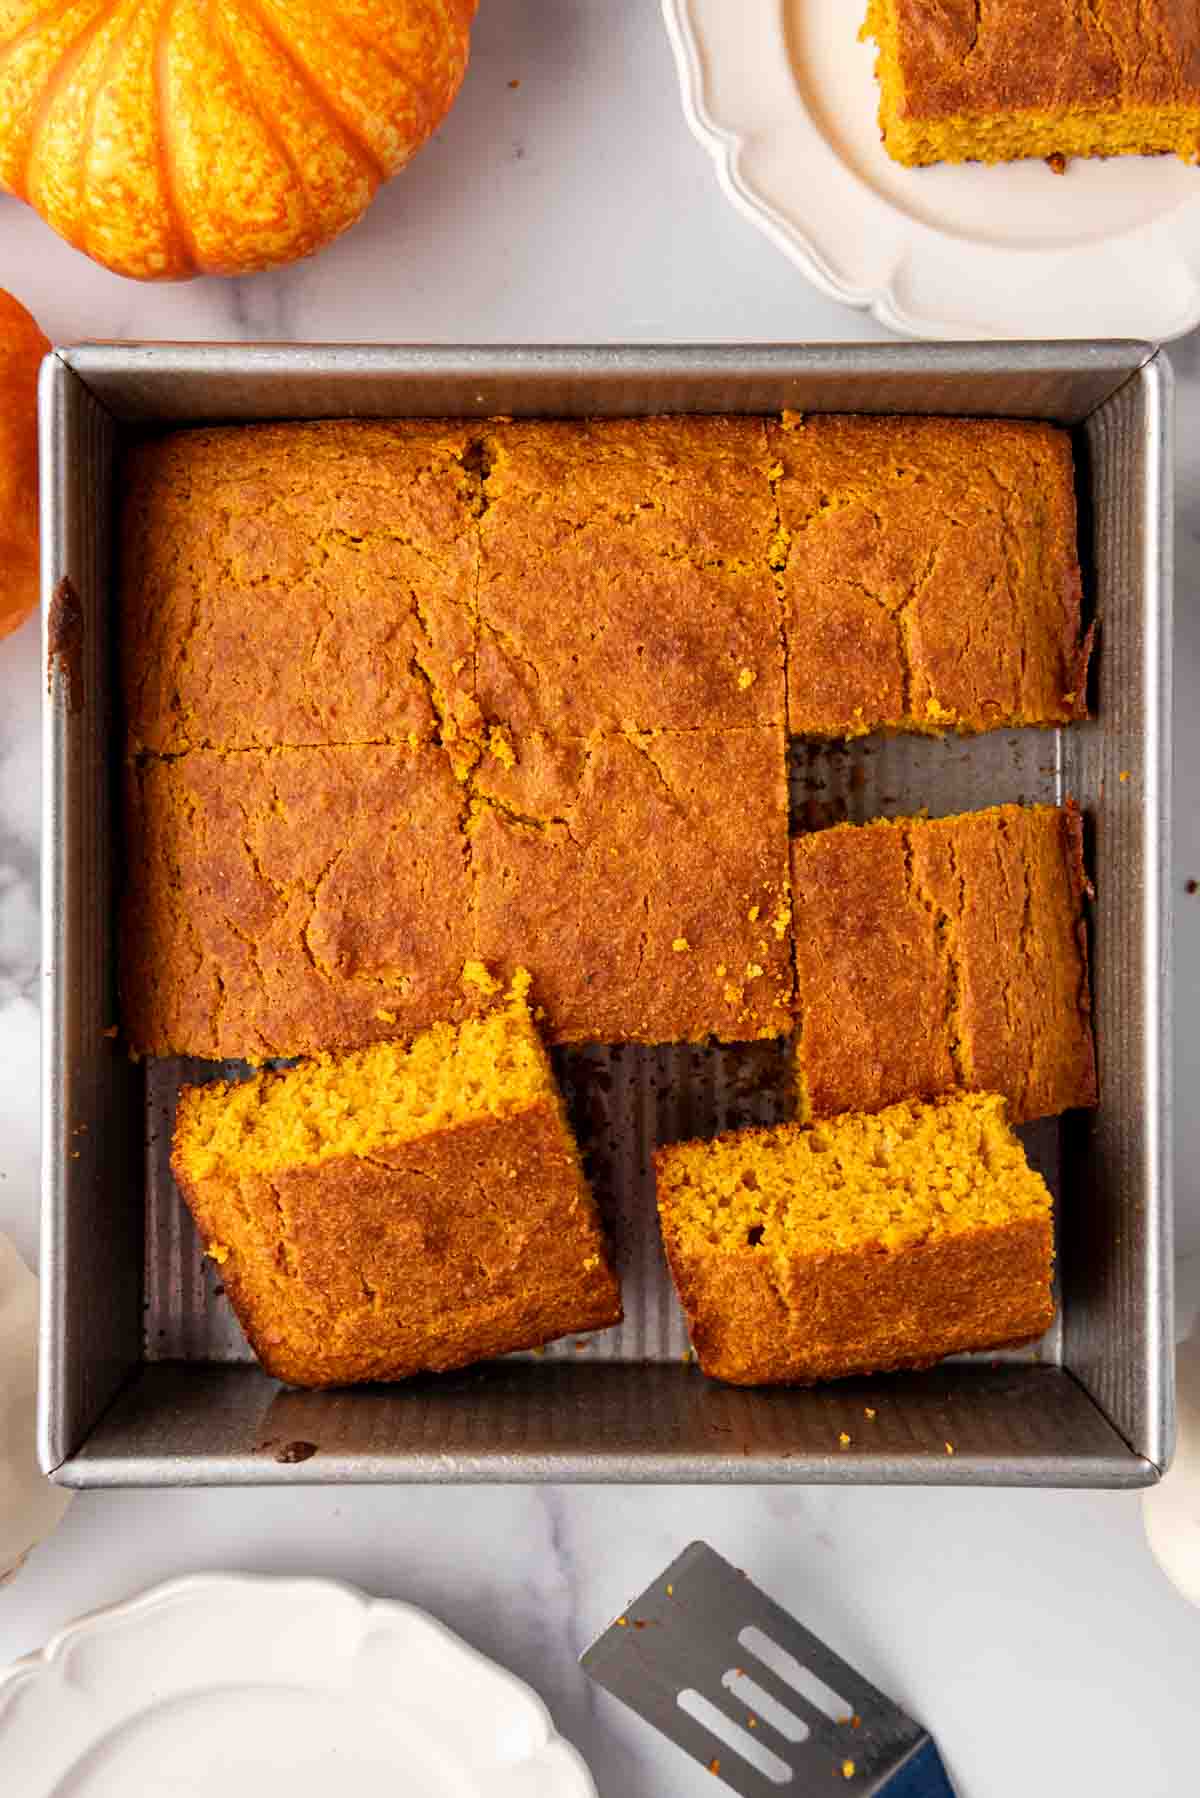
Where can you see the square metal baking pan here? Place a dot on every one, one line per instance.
(146, 1380)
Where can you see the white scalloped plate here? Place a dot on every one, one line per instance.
(783, 96)
(229, 1686)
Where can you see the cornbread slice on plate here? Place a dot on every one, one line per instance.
(643, 881)
(626, 580)
(299, 584)
(401, 1208)
(960, 81)
(278, 903)
(930, 574)
(935, 953)
(859, 1245)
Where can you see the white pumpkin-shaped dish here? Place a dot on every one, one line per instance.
(30, 1506)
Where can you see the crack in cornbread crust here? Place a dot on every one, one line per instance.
(625, 578)
(731, 523)
(286, 584)
(942, 952)
(434, 1244)
(377, 583)
(280, 902)
(961, 79)
(865, 1244)
(930, 575)
(647, 876)
(285, 901)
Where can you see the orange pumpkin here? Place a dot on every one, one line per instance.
(22, 347)
(170, 138)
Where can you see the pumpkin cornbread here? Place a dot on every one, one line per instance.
(963, 81)
(626, 578)
(930, 575)
(642, 879)
(361, 582)
(383, 683)
(859, 1245)
(282, 902)
(941, 953)
(299, 585)
(400, 1209)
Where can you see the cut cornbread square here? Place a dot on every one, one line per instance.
(626, 579)
(287, 901)
(934, 953)
(642, 880)
(965, 82)
(399, 1209)
(299, 584)
(859, 1245)
(930, 574)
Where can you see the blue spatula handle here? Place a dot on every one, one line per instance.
(921, 1776)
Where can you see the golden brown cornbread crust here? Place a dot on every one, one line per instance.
(314, 855)
(473, 1239)
(1032, 77)
(283, 902)
(401, 1265)
(750, 1328)
(355, 582)
(935, 953)
(845, 1298)
(651, 872)
(300, 584)
(931, 574)
(626, 578)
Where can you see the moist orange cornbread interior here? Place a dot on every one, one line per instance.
(962, 81)
(401, 1208)
(369, 1099)
(860, 1244)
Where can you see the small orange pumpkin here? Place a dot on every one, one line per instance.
(170, 138)
(22, 347)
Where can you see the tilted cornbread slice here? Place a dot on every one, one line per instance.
(934, 953)
(960, 81)
(859, 1245)
(398, 1209)
(929, 574)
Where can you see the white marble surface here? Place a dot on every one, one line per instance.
(1031, 1631)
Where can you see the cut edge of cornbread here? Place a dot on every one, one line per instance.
(1118, 129)
(404, 1209)
(909, 1182)
(1009, 137)
(361, 1101)
(867, 1242)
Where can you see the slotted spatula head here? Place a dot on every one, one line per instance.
(753, 1696)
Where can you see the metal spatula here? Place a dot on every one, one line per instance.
(753, 1696)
